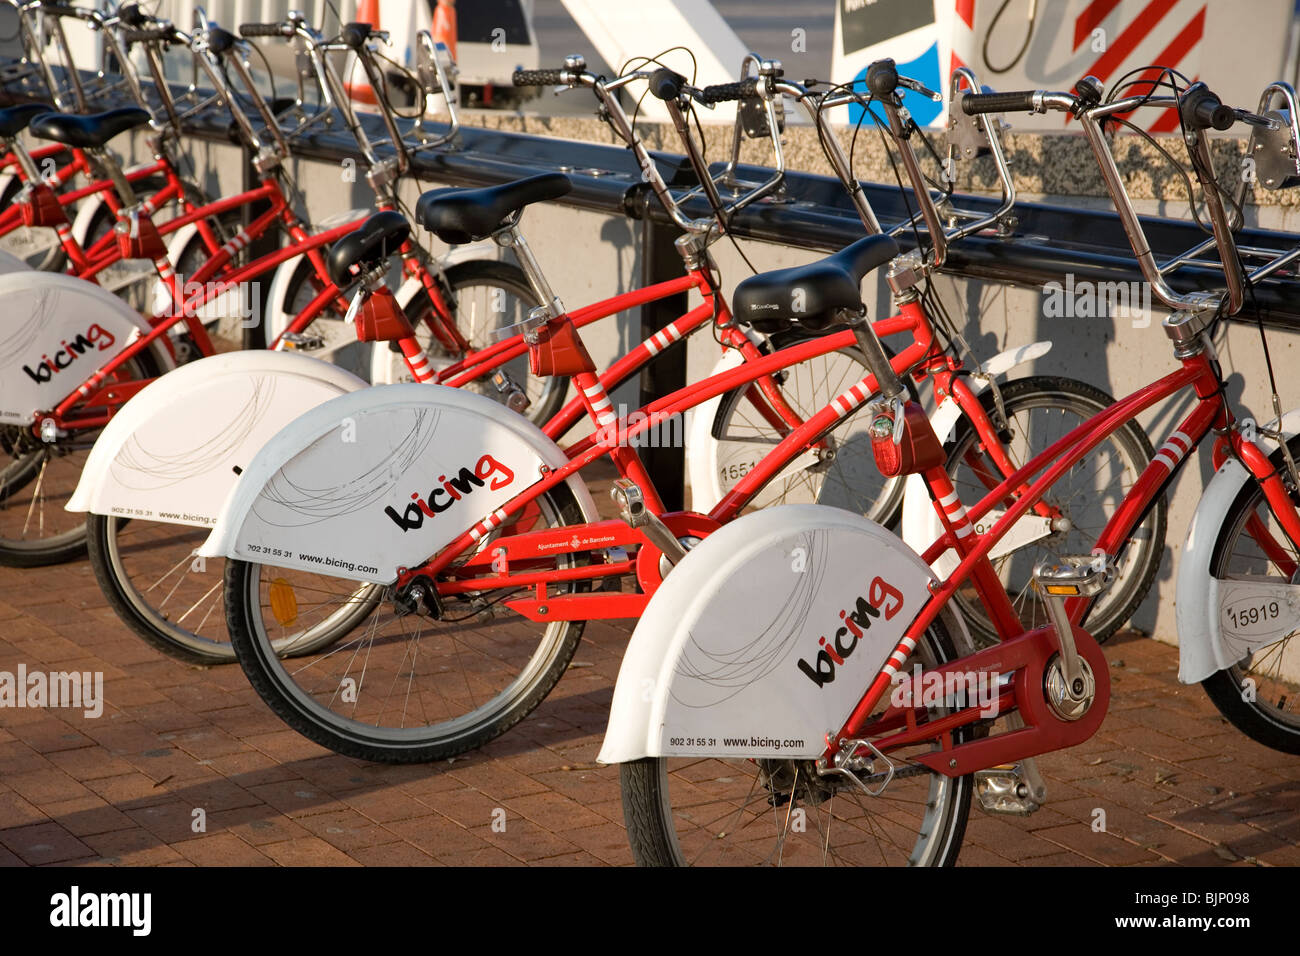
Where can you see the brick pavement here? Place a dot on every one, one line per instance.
(1177, 783)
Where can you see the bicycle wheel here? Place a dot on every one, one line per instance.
(483, 296)
(843, 475)
(1039, 410)
(401, 689)
(1268, 708)
(697, 812)
(175, 601)
(37, 482)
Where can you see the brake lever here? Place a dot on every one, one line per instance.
(692, 94)
(916, 87)
(1254, 119)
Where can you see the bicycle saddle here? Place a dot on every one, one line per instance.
(15, 119)
(457, 216)
(88, 132)
(811, 294)
(369, 244)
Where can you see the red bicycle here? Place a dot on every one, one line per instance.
(753, 744)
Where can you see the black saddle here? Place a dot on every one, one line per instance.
(369, 244)
(88, 132)
(811, 294)
(458, 216)
(16, 118)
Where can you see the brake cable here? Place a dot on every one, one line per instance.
(1024, 47)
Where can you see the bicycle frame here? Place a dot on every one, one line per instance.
(1210, 414)
(11, 218)
(90, 394)
(612, 437)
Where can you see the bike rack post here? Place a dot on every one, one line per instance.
(661, 262)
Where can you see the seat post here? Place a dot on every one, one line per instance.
(887, 380)
(108, 162)
(25, 161)
(512, 238)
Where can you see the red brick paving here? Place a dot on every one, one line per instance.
(1177, 784)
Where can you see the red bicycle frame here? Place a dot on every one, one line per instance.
(612, 438)
(1026, 653)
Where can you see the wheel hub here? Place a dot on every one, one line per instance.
(788, 780)
(419, 597)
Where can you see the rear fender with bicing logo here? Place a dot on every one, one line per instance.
(55, 332)
(764, 637)
(381, 479)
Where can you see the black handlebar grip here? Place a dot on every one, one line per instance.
(666, 85)
(882, 78)
(149, 34)
(725, 92)
(1201, 109)
(355, 35)
(538, 77)
(132, 16)
(973, 104)
(261, 30)
(60, 9)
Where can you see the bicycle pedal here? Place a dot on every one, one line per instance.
(627, 494)
(302, 341)
(515, 399)
(1074, 576)
(1006, 791)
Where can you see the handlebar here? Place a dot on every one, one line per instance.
(148, 34)
(132, 15)
(355, 39)
(1201, 109)
(666, 85)
(673, 89)
(249, 30)
(355, 35)
(220, 41)
(726, 92)
(541, 77)
(976, 104)
(63, 10)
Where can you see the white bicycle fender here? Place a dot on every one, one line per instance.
(346, 487)
(52, 323)
(11, 263)
(172, 452)
(1207, 641)
(921, 527)
(762, 639)
(8, 261)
